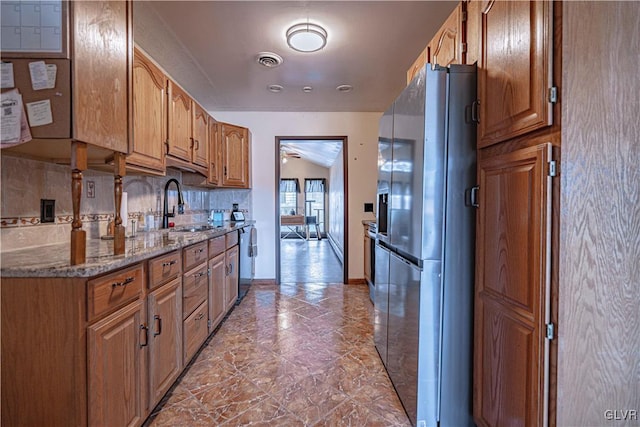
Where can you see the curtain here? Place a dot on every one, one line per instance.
(289, 185)
(315, 185)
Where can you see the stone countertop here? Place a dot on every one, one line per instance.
(53, 260)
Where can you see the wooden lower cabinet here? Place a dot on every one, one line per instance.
(165, 339)
(103, 351)
(232, 278)
(512, 294)
(216, 290)
(117, 368)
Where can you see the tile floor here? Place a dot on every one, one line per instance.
(309, 261)
(289, 355)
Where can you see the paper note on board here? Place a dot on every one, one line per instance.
(7, 75)
(52, 70)
(11, 113)
(38, 72)
(39, 113)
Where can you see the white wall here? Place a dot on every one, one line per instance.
(337, 200)
(362, 132)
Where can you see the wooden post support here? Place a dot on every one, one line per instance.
(119, 231)
(78, 235)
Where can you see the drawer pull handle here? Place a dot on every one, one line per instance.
(202, 273)
(198, 251)
(199, 316)
(158, 321)
(167, 264)
(145, 329)
(123, 283)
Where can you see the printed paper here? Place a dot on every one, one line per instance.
(7, 75)
(52, 70)
(39, 113)
(39, 78)
(11, 105)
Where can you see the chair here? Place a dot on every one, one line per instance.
(311, 220)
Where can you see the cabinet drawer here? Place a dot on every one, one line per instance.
(114, 290)
(194, 255)
(195, 331)
(164, 268)
(232, 239)
(194, 289)
(216, 246)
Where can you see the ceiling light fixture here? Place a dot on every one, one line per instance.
(306, 37)
(307, 89)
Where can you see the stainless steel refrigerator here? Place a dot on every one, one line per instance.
(425, 245)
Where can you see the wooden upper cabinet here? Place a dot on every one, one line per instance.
(147, 149)
(90, 98)
(200, 136)
(512, 287)
(235, 152)
(515, 69)
(101, 69)
(417, 65)
(446, 46)
(215, 154)
(473, 30)
(180, 120)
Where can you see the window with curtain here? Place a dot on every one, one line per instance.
(289, 189)
(314, 195)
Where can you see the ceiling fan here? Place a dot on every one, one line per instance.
(287, 154)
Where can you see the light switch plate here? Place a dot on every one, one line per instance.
(47, 210)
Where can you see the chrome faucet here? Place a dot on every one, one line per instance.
(165, 211)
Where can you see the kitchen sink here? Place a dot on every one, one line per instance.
(193, 229)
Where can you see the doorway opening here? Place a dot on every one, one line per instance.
(311, 213)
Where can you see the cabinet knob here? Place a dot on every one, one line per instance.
(168, 263)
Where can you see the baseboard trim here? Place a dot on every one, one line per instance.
(259, 282)
(336, 249)
(360, 281)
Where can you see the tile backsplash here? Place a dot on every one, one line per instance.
(25, 182)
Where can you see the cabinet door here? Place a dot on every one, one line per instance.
(165, 339)
(195, 331)
(446, 46)
(231, 280)
(200, 136)
(515, 71)
(117, 368)
(473, 37)
(512, 288)
(215, 154)
(149, 115)
(217, 303)
(102, 42)
(179, 141)
(235, 146)
(417, 65)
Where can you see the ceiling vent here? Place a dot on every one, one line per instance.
(344, 88)
(269, 59)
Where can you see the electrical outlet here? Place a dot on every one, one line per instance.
(47, 210)
(91, 190)
(368, 207)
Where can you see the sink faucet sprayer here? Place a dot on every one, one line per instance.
(165, 212)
